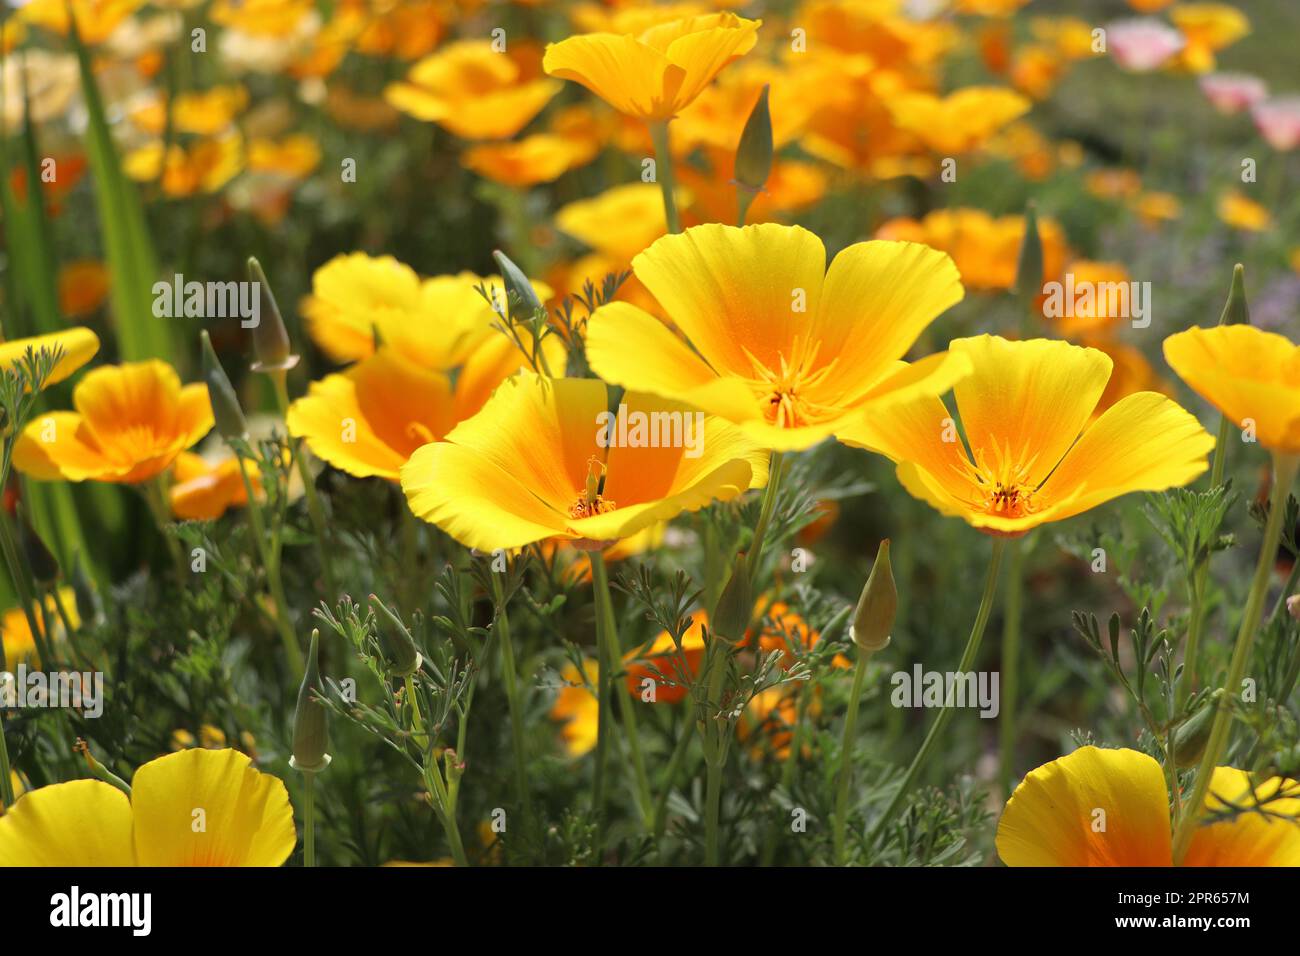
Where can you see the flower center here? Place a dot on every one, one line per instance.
(1001, 483)
(590, 502)
(785, 391)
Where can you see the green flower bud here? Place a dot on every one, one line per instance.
(1029, 265)
(1236, 311)
(736, 605)
(310, 730)
(44, 565)
(877, 606)
(403, 657)
(754, 154)
(225, 405)
(271, 347)
(1191, 736)
(518, 288)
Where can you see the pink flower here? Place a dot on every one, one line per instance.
(1233, 92)
(1143, 44)
(1278, 121)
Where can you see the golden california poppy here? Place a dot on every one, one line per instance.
(960, 122)
(1051, 818)
(784, 348)
(1033, 455)
(662, 664)
(202, 491)
(530, 466)
(131, 422)
(369, 419)
(474, 90)
(654, 74)
(1250, 375)
(88, 823)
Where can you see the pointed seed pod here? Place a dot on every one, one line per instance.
(518, 288)
(754, 154)
(310, 729)
(1236, 311)
(1029, 264)
(225, 405)
(736, 605)
(874, 617)
(402, 656)
(272, 350)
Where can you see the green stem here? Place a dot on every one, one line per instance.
(841, 823)
(269, 553)
(659, 818)
(6, 781)
(1284, 473)
(765, 514)
(613, 651)
(744, 197)
(715, 749)
(502, 626)
(1014, 601)
(446, 810)
(314, 509)
(309, 821)
(664, 173)
(945, 714)
(155, 493)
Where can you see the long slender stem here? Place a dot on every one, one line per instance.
(314, 509)
(6, 781)
(770, 494)
(502, 626)
(309, 821)
(945, 714)
(664, 173)
(659, 818)
(613, 652)
(715, 749)
(1284, 473)
(1011, 662)
(268, 551)
(841, 823)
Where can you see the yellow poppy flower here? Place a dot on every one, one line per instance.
(959, 122)
(368, 420)
(1034, 457)
(96, 19)
(202, 491)
(1250, 375)
(201, 112)
(475, 91)
(16, 632)
(247, 818)
(203, 167)
(435, 322)
(131, 422)
(784, 348)
(541, 158)
(531, 465)
(1051, 818)
(654, 74)
(78, 346)
(293, 157)
(620, 222)
(1241, 213)
(1208, 28)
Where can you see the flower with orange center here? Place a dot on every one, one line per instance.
(202, 491)
(1251, 376)
(669, 668)
(131, 423)
(1051, 819)
(789, 351)
(540, 158)
(959, 122)
(368, 420)
(656, 73)
(475, 91)
(1209, 28)
(1033, 456)
(534, 464)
